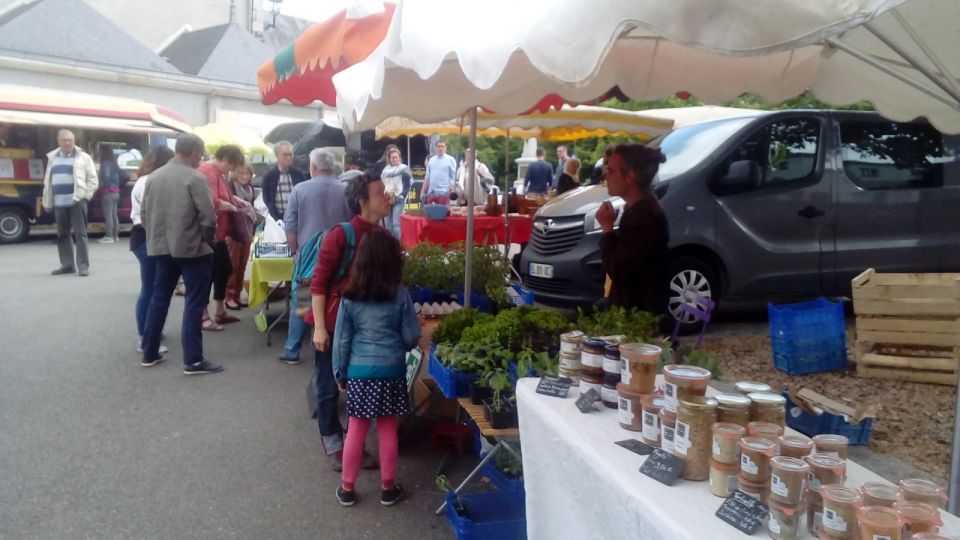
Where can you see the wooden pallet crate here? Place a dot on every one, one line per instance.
(908, 326)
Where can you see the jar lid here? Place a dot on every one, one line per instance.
(767, 398)
(829, 439)
(612, 350)
(736, 401)
(746, 387)
(878, 490)
(724, 467)
(826, 461)
(917, 511)
(921, 487)
(653, 402)
(759, 426)
(667, 415)
(594, 342)
(625, 391)
(796, 441)
(880, 517)
(839, 493)
(644, 352)
(757, 444)
(789, 464)
(681, 371)
(729, 430)
(575, 336)
(698, 403)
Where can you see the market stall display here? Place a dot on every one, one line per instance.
(487, 230)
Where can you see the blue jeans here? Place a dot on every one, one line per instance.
(395, 216)
(331, 430)
(196, 273)
(296, 328)
(148, 272)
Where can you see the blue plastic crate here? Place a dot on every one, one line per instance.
(501, 481)
(491, 516)
(812, 424)
(808, 337)
(512, 372)
(478, 301)
(453, 383)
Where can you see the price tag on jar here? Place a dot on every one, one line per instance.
(681, 438)
(833, 520)
(651, 426)
(747, 465)
(778, 486)
(670, 396)
(625, 375)
(625, 411)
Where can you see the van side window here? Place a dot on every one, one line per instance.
(891, 155)
(785, 152)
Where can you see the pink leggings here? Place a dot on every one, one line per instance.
(353, 450)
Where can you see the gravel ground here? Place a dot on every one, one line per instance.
(914, 423)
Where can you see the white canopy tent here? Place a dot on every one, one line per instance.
(441, 57)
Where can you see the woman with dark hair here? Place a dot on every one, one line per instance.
(376, 325)
(157, 157)
(112, 177)
(635, 255)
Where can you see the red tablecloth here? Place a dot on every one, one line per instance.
(416, 229)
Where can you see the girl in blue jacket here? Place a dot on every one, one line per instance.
(376, 326)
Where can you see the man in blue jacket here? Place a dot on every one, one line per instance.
(279, 181)
(539, 175)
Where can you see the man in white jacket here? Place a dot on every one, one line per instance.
(68, 185)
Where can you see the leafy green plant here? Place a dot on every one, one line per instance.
(443, 484)
(636, 325)
(508, 464)
(540, 362)
(452, 326)
(500, 384)
(702, 358)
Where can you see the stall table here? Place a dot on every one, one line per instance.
(266, 270)
(486, 230)
(579, 484)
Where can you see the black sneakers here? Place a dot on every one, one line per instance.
(63, 270)
(346, 498)
(290, 361)
(202, 368)
(390, 497)
(146, 362)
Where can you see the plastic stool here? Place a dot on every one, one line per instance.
(450, 436)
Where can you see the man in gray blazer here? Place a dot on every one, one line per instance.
(180, 221)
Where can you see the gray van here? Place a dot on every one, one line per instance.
(773, 205)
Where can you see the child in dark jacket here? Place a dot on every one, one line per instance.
(376, 326)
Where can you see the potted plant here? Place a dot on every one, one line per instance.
(498, 410)
(459, 506)
(479, 391)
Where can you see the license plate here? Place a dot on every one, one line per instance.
(541, 270)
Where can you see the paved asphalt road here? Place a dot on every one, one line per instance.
(94, 446)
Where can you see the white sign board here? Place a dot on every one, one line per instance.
(6, 168)
(36, 169)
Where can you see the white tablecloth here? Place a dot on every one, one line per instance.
(580, 485)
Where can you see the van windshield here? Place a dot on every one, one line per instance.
(689, 145)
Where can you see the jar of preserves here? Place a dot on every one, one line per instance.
(814, 518)
(570, 361)
(668, 426)
(694, 435)
(835, 445)
(572, 374)
(758, 490)
(723, 478)
(726, 442)
(591, 356)
(924, 491)
(879, 494)
(918, 517)
(764, 430)
(825, 469)
(570, 342)
(652, 405)
(795, 446)
(788, 480)
(608, 390)
(879, 522)
(589, 381)
(755, 457)
(784, 521)
(733, 409)
(749, 387)
(640, 361)
(611, 361)
(630, 408)
(768, 407)
(682, 381)
(840, 505)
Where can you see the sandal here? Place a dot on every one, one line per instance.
(210, 326)
(232, 307)
(225, 318)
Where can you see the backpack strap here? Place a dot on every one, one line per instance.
(346, 258)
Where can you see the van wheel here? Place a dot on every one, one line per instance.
(14, 226)
(690, 278)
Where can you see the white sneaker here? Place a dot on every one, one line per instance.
(105, 240)
(163, 349)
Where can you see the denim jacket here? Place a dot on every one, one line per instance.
(372, 338)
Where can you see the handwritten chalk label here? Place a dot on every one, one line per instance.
(557, 387)
(636, 446)
(587, 400)
(663, 467)
(743, 512)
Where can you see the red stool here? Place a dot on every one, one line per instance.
(450, 436)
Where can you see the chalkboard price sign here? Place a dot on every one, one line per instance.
(743, 512)
(554, 386)
(587, 400)
(634, 445)
(663, 467)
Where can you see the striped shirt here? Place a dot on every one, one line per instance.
(284, 188)
(62, 179)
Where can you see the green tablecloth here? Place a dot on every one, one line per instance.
(265, 270)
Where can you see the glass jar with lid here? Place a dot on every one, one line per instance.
(924, 491)
(879, 494)
(768, 408)
(835, 445)
(591, 356)
(840, 506)
(733, 409)
(748, 387)
(788, 480)
(652, 405)
(681, 381)
(764, 430)
(639, 362)
(795, 446)
(668, 426)
(693, 438)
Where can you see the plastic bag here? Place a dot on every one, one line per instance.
(260, 206)
(273, 231)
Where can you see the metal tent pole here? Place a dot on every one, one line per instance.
(471, 185)
(506, 198)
